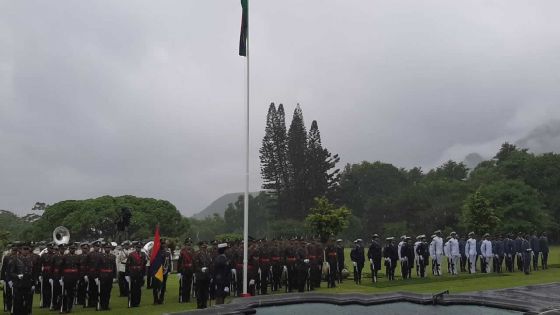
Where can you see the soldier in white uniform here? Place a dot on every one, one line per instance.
(399, 246)
(454, 253)
(486, 250)
(122, 256)
(438, 251)
(447, 253)
(416, 257)
(470, 252)
(432, 251)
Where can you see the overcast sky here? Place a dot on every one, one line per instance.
(147, 97)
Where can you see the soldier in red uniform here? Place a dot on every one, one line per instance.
(46, 263)
(70, 268)
(82, 281)
(107, 271)
(92, 258)
(135, 272)
(185, 268)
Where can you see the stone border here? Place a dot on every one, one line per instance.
(494, 298)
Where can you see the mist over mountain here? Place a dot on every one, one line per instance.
(543, 139)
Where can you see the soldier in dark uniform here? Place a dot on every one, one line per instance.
(518, 251)
(82, 292)
(358, 259)
(185, 268)
(135, 273)
(92, 274)
(57, 277)
(70, 269)
(290, 255)
(391, 258)
(106, 271)
(498, 250)
(276, 265)
(407, 258)
(374, 256)
(331, 255)
(509, 252)
(264, 266)
(22, 275)
(302, 267)
(423, 255)
(534, 241)
(340, 259)
(464, 258)
(202, 264)
(5, 277)
(526, 254)
(543, 245)
(221, 274)
(315, 264)
(158, 289)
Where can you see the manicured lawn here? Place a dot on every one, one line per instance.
(455, 284)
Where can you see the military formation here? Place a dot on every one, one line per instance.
(521, 252)
(83, 274)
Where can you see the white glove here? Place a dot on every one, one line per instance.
(387, 259)
(61, 281)
(421, 258)
(204, 269)
(97, 281)
(86, 279)
(252, 282)
(20, 276)
(10, 283)
(127, 278)
(306, 261)
(285, 269)
(226, 289)
(371, 261)
(41, 278)
(51, 281)
(355, 264)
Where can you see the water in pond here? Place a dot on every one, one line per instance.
(400, 308)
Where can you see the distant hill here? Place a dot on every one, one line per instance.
(219, 205)
(10, 222)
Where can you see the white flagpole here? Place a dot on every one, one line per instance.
(246, 197)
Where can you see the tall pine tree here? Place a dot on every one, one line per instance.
(267, 154)
(297, 148)
(321, 178)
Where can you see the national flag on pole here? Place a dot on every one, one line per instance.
(156, 258)
(244, 28)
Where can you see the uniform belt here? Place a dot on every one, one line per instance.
(91, 269)
(312, 257)
(106, 270)
(46, 268)
(331, 254)
(275, 258)
(265, 260)
(291, 259)
(70, 270)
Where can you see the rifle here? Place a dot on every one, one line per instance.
(127, 278)
(86, 302)
(51, 307)
(4, 295)
(452, 265)
(98, 283)
(193, 286)
(40, 291)
(355, 271)
(62, 295)
(180, 287)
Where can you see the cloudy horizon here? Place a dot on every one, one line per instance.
(147, 99)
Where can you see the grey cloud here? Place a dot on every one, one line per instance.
(146, 98)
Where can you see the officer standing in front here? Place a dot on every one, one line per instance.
(358, 259)
(122, 256)
(185, 268)
(135, 273)
(202, 264)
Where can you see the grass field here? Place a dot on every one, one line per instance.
(455, 284)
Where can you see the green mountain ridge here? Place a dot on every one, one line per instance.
(219, 205)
